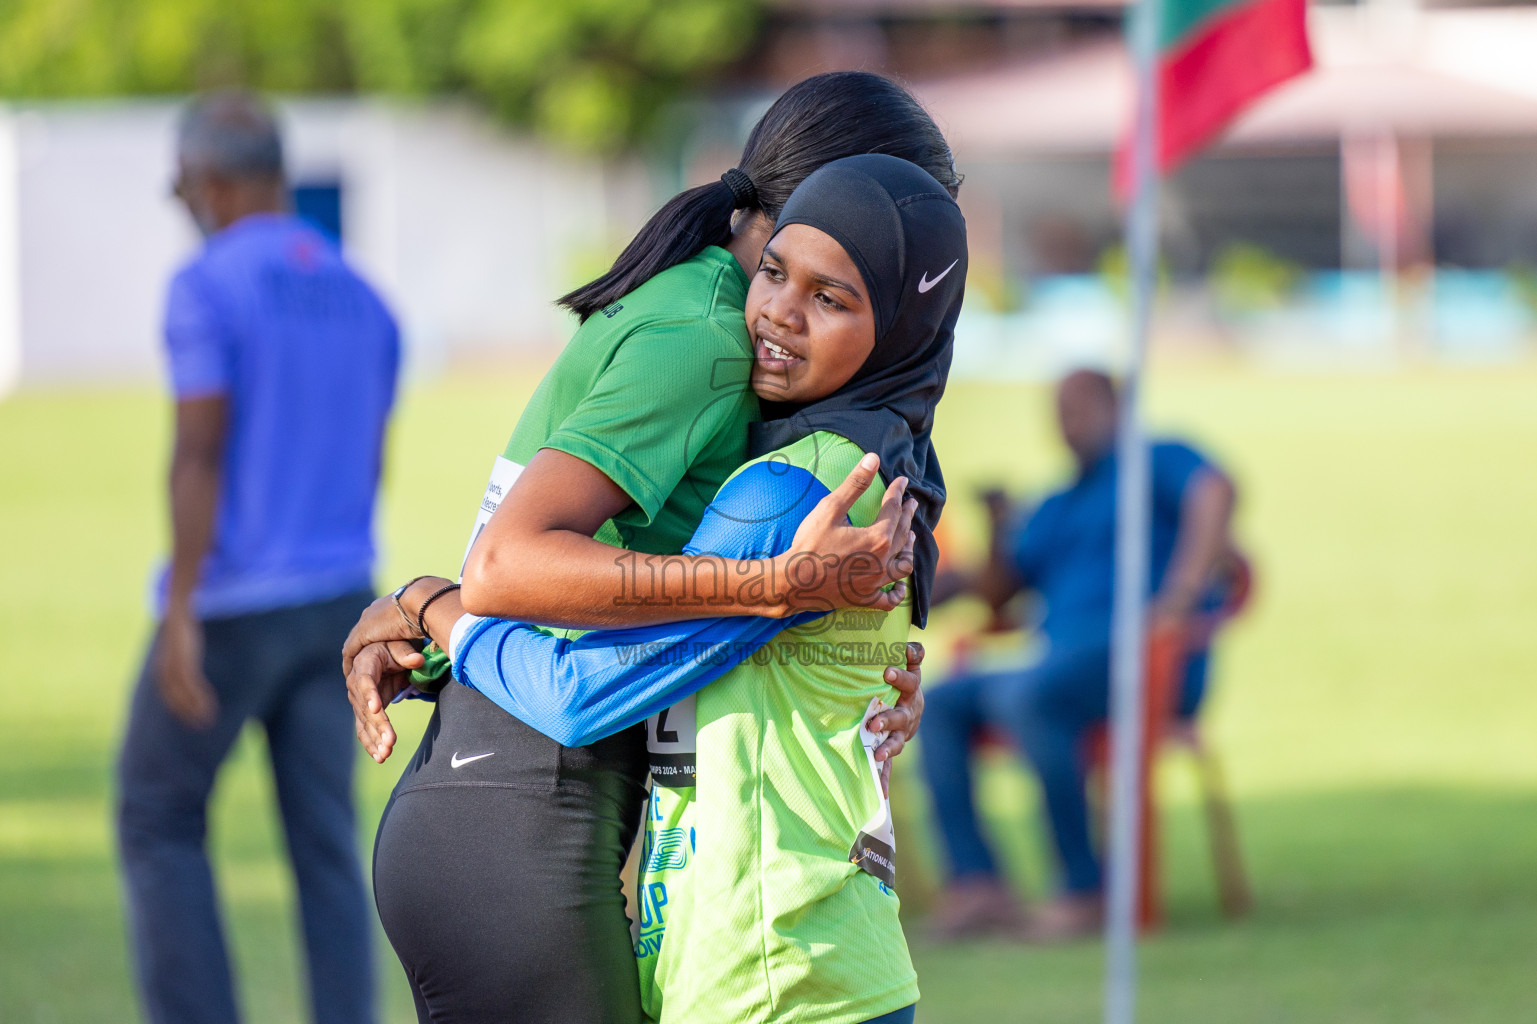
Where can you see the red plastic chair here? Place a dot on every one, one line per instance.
(1165, 670)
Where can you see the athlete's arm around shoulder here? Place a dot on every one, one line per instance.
(629, 441)
(537, 560)
(577, 691)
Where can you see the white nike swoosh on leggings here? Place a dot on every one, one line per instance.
(459, 762)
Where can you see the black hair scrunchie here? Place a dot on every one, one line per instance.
(743, 192)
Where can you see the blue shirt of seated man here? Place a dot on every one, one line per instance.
(1065, 552)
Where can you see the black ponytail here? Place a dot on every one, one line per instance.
(686, 224)
(819, 120)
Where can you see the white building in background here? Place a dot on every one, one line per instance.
(468, 231)
(1410, 144)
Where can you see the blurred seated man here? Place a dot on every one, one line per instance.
(1064, 552)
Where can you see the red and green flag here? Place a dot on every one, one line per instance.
(1215, 57)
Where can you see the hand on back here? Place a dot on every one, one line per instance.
(900, 723)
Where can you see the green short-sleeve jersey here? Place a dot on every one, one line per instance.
(653, 390)
(751, 908)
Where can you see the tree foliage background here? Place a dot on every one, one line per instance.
(589, 73)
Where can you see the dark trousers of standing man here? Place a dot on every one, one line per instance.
(283, 669)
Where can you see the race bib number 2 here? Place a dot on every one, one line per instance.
(504, 472)
(671, 744)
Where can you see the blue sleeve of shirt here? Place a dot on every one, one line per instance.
(1173, 466)
(579, 691)
(1032, 543)
(197, 344)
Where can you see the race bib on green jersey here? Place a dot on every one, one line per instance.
(504, 473)
(671, 744)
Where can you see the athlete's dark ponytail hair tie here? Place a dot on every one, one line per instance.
(825, 118)
(743, 192)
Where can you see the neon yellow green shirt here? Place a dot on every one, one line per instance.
(751, 908)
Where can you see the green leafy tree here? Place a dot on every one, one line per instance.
(588, 73)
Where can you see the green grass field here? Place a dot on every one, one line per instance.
(1376, 708)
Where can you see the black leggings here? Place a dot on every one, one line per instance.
(497, 881)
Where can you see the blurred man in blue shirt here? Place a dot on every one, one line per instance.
(282, 363)
(1064, 552)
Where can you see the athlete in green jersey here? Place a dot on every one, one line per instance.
(477, 768)
(561, 813)
(769, 864)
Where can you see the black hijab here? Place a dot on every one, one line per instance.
(907, 237)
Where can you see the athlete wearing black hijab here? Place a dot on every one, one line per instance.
(916, 286)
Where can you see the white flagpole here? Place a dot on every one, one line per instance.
(1128, 630)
